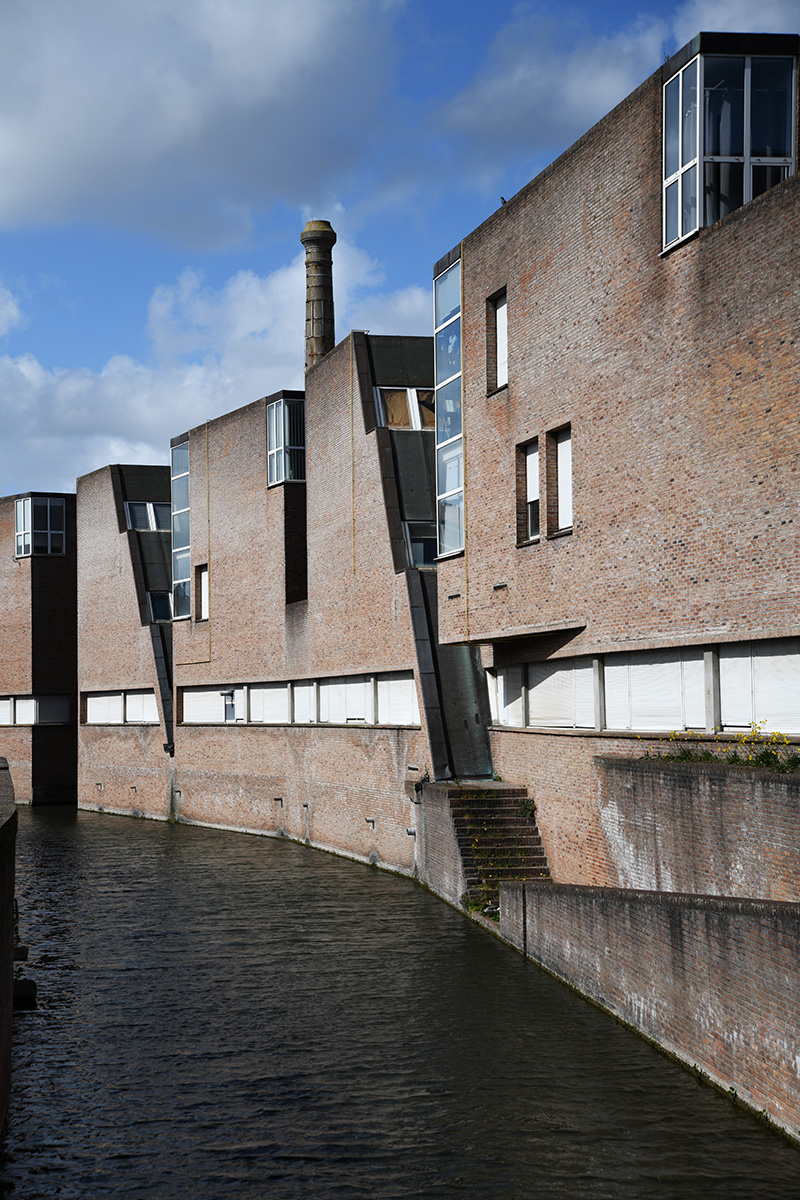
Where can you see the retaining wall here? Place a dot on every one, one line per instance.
(714, 981)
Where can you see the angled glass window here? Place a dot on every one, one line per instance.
(39, 525)
(406, 408)
(147, 517)
(181, 556)
(728, 137)
(449, 437)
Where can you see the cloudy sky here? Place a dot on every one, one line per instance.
(159, 158)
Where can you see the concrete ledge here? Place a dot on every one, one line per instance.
(713, 981)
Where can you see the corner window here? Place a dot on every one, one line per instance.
(147, 517)
(181, 555)
(39, 526)
(449, 439)
(286, 440)
(735, 144)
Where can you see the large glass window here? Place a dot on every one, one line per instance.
(449, 434)
(286, 440)
(733, 146)
(181, 555)
(39, 525)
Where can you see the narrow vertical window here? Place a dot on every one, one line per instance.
(449, 433)
(181, 555)
(201, 593)
(501, 340)
(532, 489)
(23, 526)
(563, 440)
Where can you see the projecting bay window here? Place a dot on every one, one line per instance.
(181, 554)
(39, 526)
(286, 440)
(449, 432)
(737, 143)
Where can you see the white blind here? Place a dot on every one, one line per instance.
(694, 689)
(564, 472)
(6, 711)
(305, 703)
(269, 702)
(618, 709)
(397, 699)
(736, 685)
(776, 684)
(532, 471)
(491, 683)
(332, 701)
(141, 708)
(26, 711)
(104, 708)
(358, 698)
(511, 696)
(655, 689)
(203, 572)
(551, 696)
(583, 675)
(53, 710)
(501, 319)
(203, 706)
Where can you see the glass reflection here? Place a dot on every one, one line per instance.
(448, 411)
(448, 351)
(447, 294)
(724, 105)
(771, 107)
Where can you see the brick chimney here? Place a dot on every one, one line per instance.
(319, 240)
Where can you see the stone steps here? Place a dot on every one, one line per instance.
(496, 841)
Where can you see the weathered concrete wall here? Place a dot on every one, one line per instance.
(715, 982)
(8, 840)
(701, 827)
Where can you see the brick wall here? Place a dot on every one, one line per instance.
(713, 981)
(610, 819)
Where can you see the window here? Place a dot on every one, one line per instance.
(559, 481)
(497, 343)
(147, 517)
(737, 143)
(386, 699)
(449, 441)
(201, 593)
(406, 408)
(532, 490)
(655, 690)
(136, 707)
(40, 527)
(34, 710)
(286, 440)
(181, 554)
(760, 681)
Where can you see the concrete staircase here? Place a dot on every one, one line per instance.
(497, 841)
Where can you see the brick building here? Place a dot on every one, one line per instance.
(38, 678)
(619, 515)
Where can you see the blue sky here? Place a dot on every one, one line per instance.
(159, 158)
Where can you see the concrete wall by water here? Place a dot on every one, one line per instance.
(8, 839)
(713, 981)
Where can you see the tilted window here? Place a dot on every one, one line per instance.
(406, 408)
(735, 144)
(39, 525)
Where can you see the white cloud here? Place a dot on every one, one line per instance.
(215, 350)
(184, 115)
(736, 16)
(10, 312)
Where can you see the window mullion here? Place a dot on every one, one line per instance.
(747, 183)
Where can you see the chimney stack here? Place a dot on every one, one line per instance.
(319, 240)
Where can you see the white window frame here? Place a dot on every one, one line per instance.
(26, 534)
(412, 396)
(446, 496)
(278, 445)
(181, 553)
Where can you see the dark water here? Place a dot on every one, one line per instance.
(227, 1016)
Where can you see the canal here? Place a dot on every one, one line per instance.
(226, 1016)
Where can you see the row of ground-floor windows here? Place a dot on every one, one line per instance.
(34, 710)
(725, 687)
(386, 699)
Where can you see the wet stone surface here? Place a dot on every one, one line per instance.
(226, 1016)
